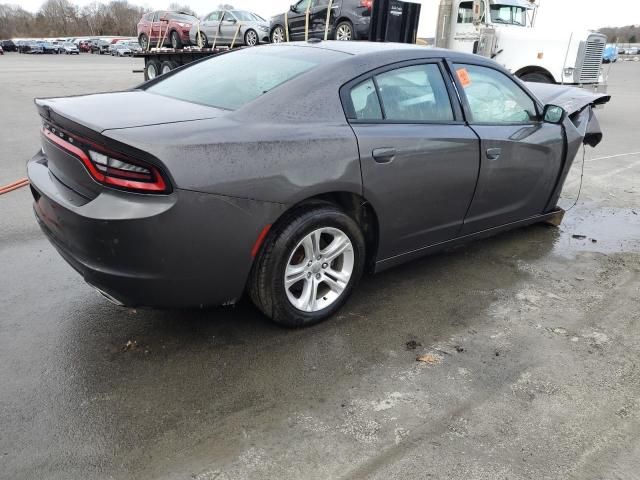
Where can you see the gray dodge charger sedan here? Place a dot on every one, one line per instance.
(288, 170)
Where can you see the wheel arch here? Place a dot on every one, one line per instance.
(535, 69)
(354, 205)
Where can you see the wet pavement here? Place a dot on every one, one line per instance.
(532, 338)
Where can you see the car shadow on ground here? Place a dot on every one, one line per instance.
(122, 379)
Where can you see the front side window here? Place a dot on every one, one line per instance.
(509, 15)
(415, 94)
(302, 6)
(493, 97)
(234, 79)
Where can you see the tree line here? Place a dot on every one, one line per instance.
(628, 34)
(61, 18)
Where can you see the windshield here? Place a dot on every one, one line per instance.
(509, 14)
(68, 44)
(234, 79)
(182, 18)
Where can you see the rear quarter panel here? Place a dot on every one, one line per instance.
(273, 162)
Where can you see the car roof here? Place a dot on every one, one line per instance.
(386, 51)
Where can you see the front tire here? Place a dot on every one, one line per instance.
(308, 266)
(536, 77)
(251, 38)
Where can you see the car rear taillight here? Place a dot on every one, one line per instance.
(368, 4)
(107, 167)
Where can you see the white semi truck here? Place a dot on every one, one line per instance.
(505, 31)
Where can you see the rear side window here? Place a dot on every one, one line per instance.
(214, 17)
(417, 93)
(234, 79)
(413, 94)
(493, 97)
(365, 101)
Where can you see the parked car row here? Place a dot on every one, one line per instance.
(348, 20)
(629, 51)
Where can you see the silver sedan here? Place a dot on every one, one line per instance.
(227, 27)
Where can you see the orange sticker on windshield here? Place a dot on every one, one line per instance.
(464, 77)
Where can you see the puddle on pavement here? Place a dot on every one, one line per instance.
(613, 229)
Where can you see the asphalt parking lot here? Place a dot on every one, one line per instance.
(533, 340)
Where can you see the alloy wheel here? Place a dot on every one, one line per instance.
(319, 269)
(344, 32)
(251, 38)
(278, 35)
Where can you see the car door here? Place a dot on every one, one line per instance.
(297, 19)
(157, 28)
(228, 28)
(318, 18)
(211, 25)
(521, 156)
(419, 159)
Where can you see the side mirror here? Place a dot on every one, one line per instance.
(293, 9)
(553, 114)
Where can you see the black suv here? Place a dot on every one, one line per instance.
(8, 46)
(349, 20)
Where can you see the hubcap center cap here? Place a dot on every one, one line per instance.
(316, 267)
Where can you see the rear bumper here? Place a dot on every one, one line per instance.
(362, 29)
(186, 249)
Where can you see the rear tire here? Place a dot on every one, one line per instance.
(151, 69)
(202, 40)
(344, 31)
(536, 77)
(143, 40)
(167, 66)
(322, 279)
(176, 42)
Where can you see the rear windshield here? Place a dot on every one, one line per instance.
(234, 79)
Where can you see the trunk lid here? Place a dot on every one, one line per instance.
(133, 108)
(69, 121)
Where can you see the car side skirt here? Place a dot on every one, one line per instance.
(550, 218)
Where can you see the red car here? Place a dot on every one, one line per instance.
(172, 26)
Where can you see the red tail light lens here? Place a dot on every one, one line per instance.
(368, 4)
(108, 168)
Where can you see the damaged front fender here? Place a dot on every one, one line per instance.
(580, 128)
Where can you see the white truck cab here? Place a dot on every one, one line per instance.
(505, 31)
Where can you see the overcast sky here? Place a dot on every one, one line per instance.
(562, 14)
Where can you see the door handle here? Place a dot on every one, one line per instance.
(493, 153)
(384, 155)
